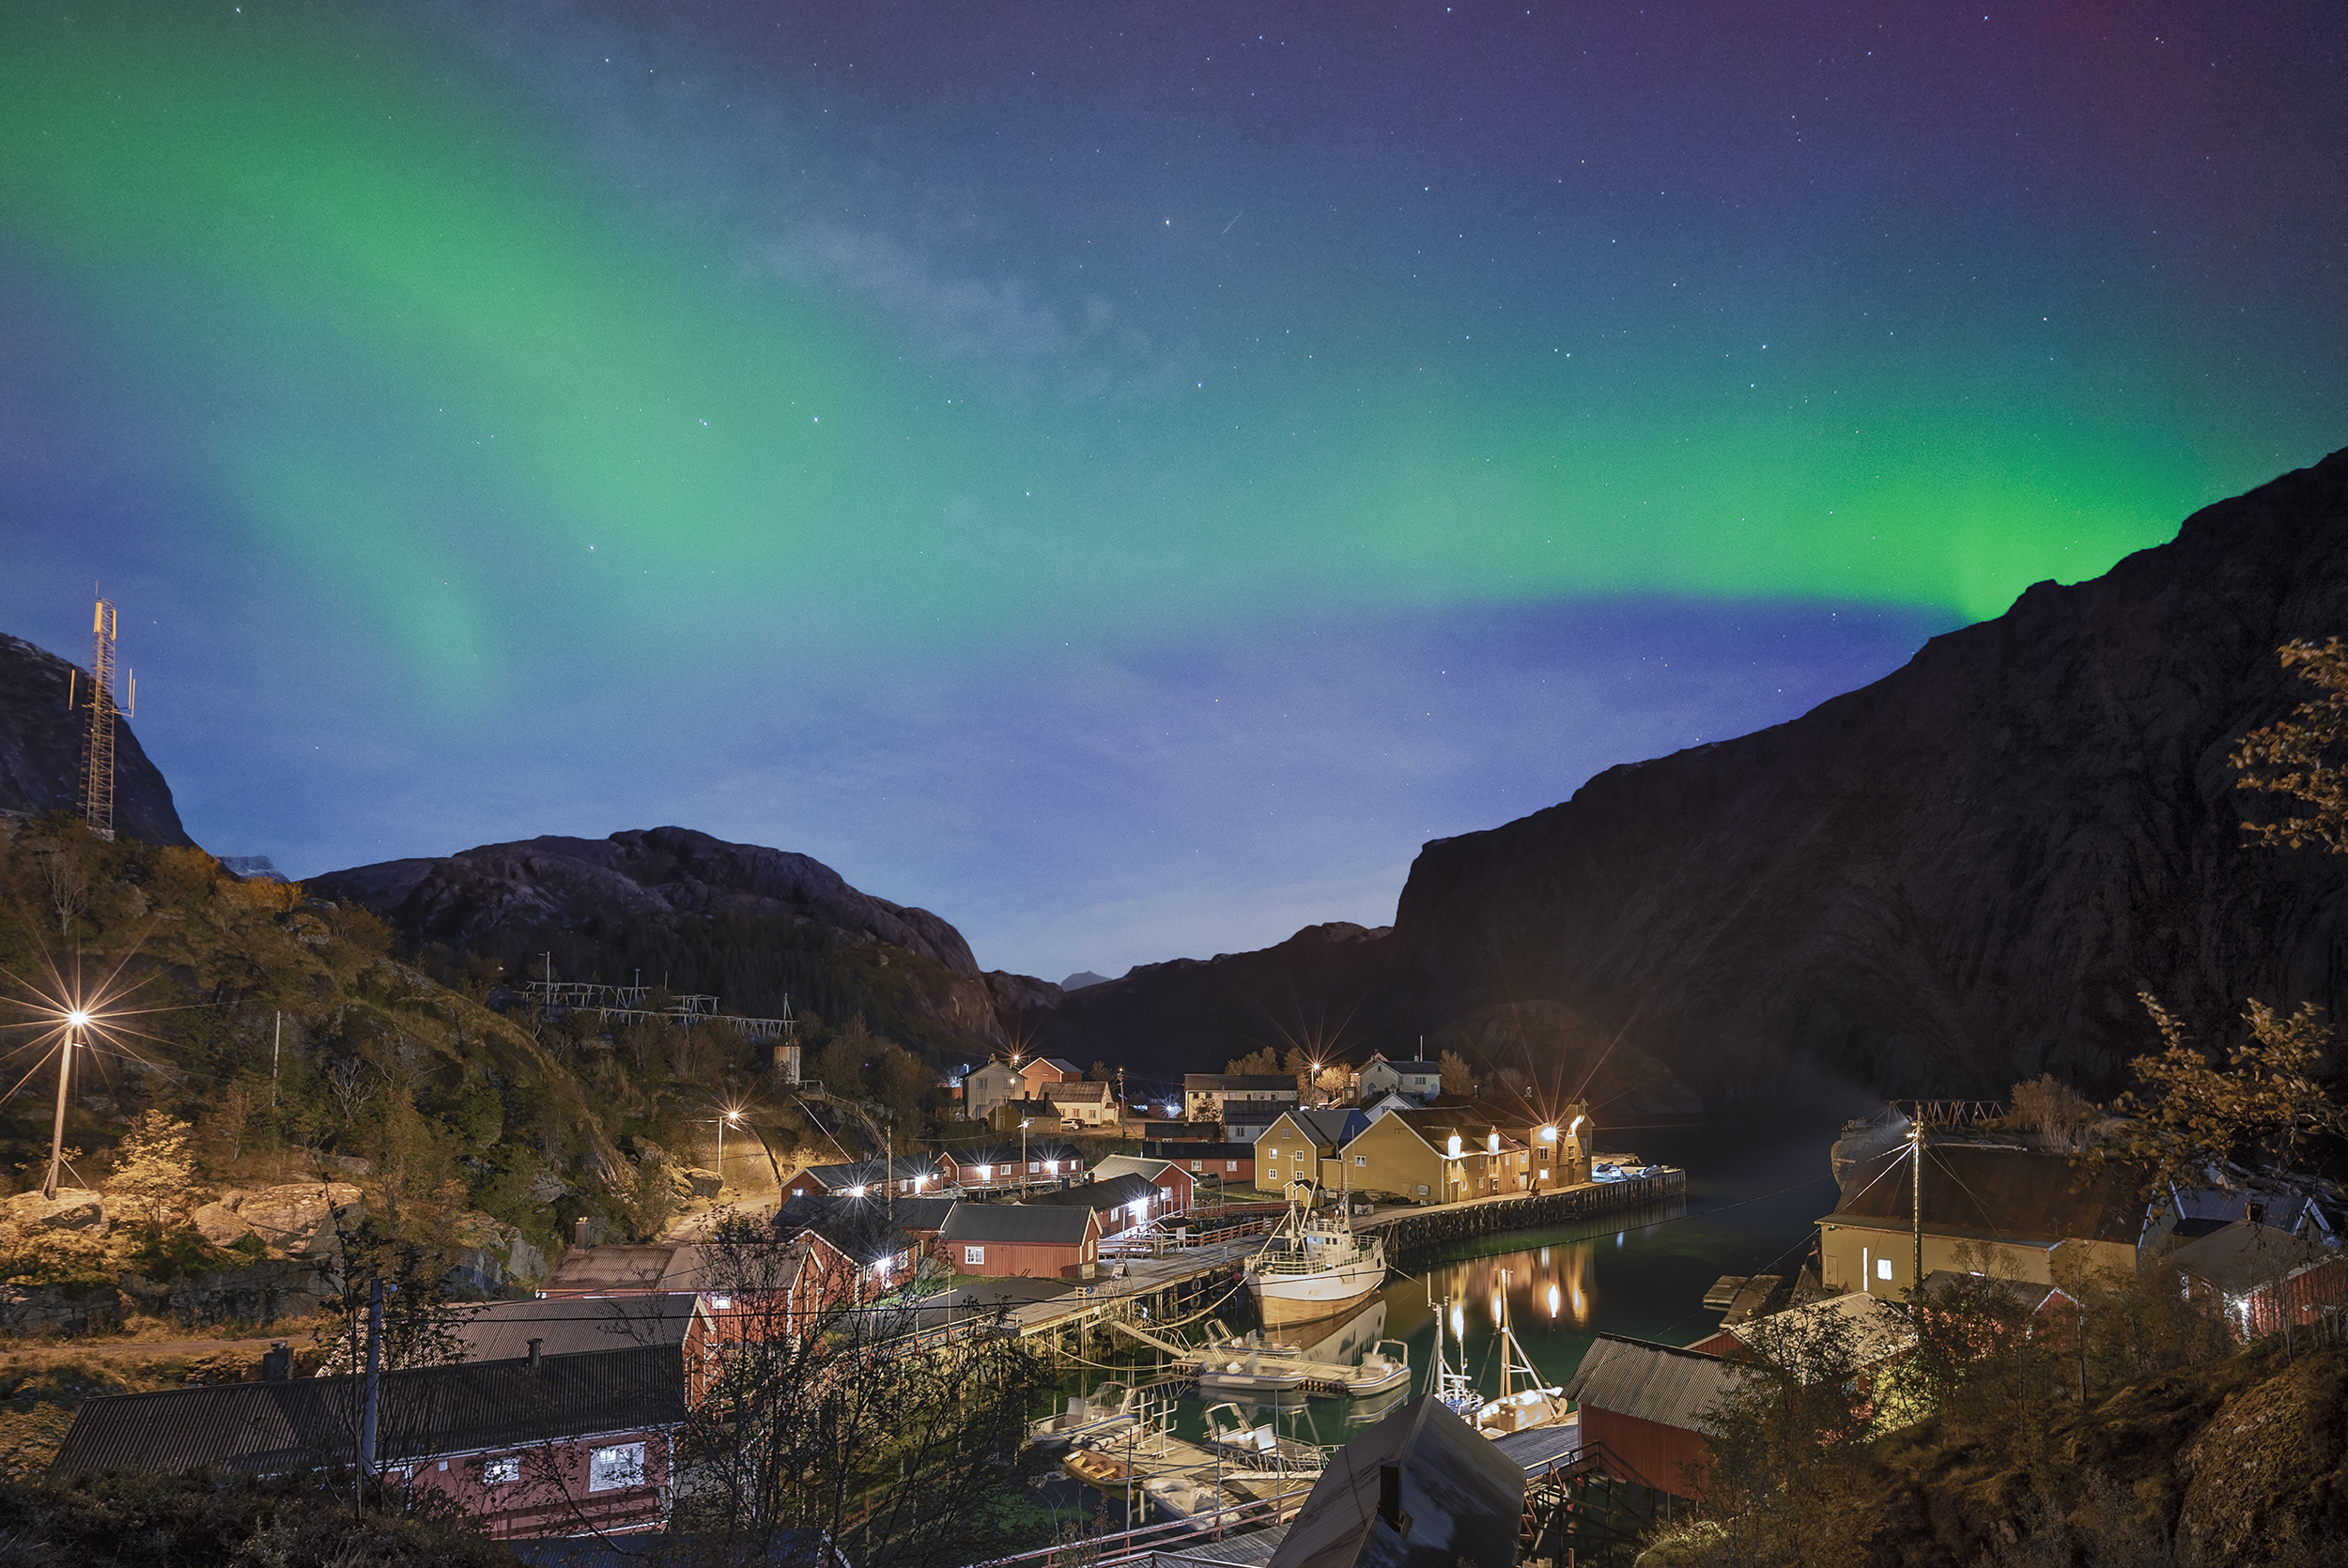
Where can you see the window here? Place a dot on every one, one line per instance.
(973, 1255)
(1361, 1161)
(504, 1470)
(1421, 1189)
(610, 1468)
(1883, 1269)
(1193, 1165)
(1230, 1165)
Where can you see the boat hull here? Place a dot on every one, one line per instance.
(1286, 1301)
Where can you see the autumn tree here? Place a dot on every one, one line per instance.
(151, 1176)
(1458, 1077)
(1264, 1063)
(2192, 1114)
(2293, 757)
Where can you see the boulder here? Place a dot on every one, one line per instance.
(221, 1225)
(72, 1209)
(702, 1183)
(297, 1219)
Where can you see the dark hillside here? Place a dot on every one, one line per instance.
(1956, 878)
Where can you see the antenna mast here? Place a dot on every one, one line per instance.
(97, 744)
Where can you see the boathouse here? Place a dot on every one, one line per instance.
(2258, 1277)
(1040, 1241)
(1210, 1165)
(1175, 1185)
(1643, 1410)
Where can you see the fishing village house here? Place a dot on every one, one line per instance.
(1300, 1148)
(883, 1241)
(912, 1176)
(2260, 1278)
(1078, 1103)
(1223, 1164)
(683, 1321)
(1042, 1072)
(1176, 1187)
(1042, 1241)
(2020, 1213)
(1441, 1154)
(1421, 1080)
(996, 1084)
(534, 1446)
(1213, 1097)
(1122, 1203)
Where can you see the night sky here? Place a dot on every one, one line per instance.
(1120, 476)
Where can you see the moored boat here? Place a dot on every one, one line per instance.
(1315, 1267)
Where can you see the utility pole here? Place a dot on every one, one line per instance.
(277, 1050)
(370, 1411)
(1916, 1175)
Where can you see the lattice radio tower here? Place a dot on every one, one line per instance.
(97, 744)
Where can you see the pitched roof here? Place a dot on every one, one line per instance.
(1178, 1152)
(1876, 1327)
(1416, 1068)
(2000, 1194)
(297, 1423)
(1065, 1065)
(1463, 1498)
(1072, 1091)
(659, 1267)
(1329, 1129)
(1038, 1224)
(1114, 1192)
(2245, 1255)
(866, 1229)
(2027, 1294)
(869, 1172)
(1659, 1383)
(565, 1325)
(1147, 1167)
(1211, 1080)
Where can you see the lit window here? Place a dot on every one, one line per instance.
(1421, 1189)
(973, 1255)
(1883, 1269)
(1361, 1161)
(502, 1470)
(610, 1468)
(1230, 1166)
(721, 1302)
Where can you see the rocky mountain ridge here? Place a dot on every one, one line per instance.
(1959, 876)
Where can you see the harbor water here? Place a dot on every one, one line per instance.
(1755, 1190)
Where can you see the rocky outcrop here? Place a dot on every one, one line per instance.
(1951, 880)
(60, 1310)
(561, 883)
(297, 1218)
(40, 750)
(72, 1209)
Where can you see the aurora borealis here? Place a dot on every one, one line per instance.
(1119, 476)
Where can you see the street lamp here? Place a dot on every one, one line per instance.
(1023, 1150)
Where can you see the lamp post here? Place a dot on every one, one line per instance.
(1023, 1151)
(74, 1023)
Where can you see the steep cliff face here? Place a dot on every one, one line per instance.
(1953, 878)
(40, 751)
(748, 923)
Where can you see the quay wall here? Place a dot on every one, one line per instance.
(1410, 1230)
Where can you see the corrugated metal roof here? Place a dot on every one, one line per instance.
(502, 1330)
(2028, 1295)
(670, 1266)
(1232, 1551)
(2027, 1194)
(302, 1422)
(1037, 1224)
(1654, 1382)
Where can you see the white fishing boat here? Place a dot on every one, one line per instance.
(1249, 1371)
(1112, 1408)
(1315, 1267)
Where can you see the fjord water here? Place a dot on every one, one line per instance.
(1756, 1188)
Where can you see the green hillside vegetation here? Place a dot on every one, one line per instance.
(463, 1129)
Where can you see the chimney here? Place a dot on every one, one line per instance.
(2255, 1214)
(579, 1232)
(277, 1362)
(535, 1343)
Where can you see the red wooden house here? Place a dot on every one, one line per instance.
(1047, 1241)
(543, 1445)
(1643, 1410)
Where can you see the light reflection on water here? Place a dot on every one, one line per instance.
(1753, 1197)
